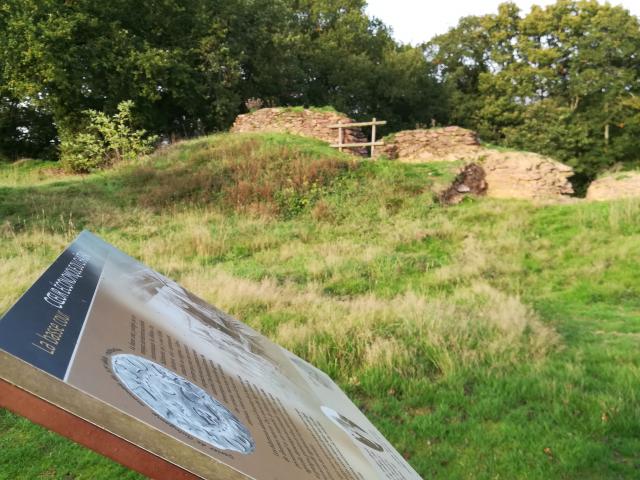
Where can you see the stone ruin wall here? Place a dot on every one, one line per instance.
(615, 186)
(508, 174)
(526, 175)
(307, 123)
(434, 145)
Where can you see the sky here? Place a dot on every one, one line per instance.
(416, 21)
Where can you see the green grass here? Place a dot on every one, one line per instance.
(324, 109)
(493, 339)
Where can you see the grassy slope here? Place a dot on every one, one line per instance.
(493, 339)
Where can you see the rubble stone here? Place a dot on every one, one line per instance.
(509, 174)
(470, 180)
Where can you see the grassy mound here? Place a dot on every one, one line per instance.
(490, 339)
(260, 174)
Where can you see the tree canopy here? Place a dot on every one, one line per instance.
(188, 66)
(561, 80)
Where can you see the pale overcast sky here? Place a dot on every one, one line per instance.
(416, 21)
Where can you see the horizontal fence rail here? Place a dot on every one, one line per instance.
(342, 126)
(358, 124)
(356, 145)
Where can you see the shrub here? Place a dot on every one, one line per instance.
(82, 153)
(104, 141)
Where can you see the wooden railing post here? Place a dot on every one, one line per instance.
(373, 136)
(341, 145)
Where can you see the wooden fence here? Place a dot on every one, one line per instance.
(373, 144)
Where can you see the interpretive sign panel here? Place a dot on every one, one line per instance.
(104, 340)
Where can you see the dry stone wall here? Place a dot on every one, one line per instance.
(306, 122)
(507, 174)
(526, 175)
(434, 145)
(617, 186)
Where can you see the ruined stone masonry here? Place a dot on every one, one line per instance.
(526, 175)
(435, 145)
(306, 122)
(616, 186)
(508, 174)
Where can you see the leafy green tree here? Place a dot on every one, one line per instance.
(459, 58)
(169, 57)
(350, 61)
(25, 131)
(189, 65)
(405, 92)
(553, 130)
(557, 80)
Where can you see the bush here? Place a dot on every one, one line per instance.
(105, 140)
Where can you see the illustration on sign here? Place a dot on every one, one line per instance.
(182, 403)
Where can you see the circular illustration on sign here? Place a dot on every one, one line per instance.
(354, 430)
(181, 403)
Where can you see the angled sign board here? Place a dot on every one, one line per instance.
(115, 356)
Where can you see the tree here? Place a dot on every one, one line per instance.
(350, 61)
(170, 58)
(459, 58)
(189, 65)
(25, 130)
(557, 80)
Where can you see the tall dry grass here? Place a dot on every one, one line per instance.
(409, 333)
(241, 173)
(467, 313)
